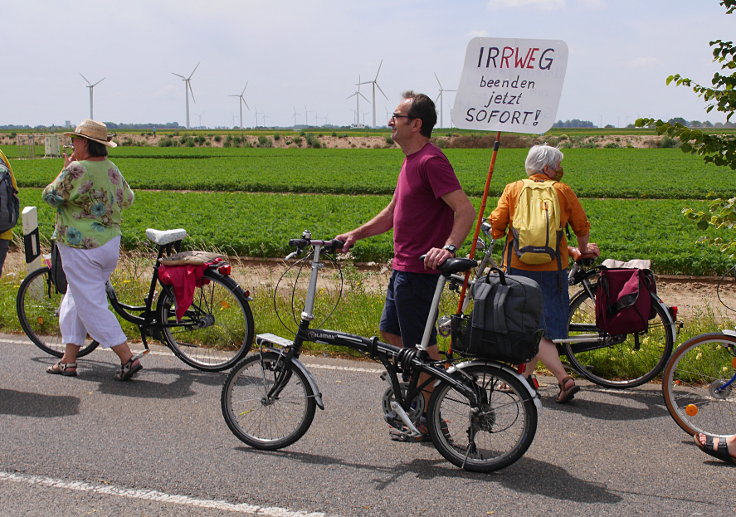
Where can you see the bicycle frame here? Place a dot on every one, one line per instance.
(394, 359)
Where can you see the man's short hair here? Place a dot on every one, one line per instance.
(422, 107)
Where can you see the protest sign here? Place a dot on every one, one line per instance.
(511, 85)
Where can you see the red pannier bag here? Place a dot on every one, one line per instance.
(623, 301)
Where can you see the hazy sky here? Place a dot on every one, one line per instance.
(302, 58)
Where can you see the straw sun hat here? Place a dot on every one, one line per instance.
(93, 130)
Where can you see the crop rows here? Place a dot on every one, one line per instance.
(260, 225)
(593, 173)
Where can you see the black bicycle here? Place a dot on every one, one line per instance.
(481, 414)
(213, 334)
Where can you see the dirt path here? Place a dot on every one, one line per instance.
(692, 295)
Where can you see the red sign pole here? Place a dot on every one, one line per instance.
(481, 215)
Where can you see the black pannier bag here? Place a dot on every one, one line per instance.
(505, 321)
(58, 277)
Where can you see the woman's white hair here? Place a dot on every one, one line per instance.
(541, 156)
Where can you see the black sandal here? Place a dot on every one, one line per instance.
(130, 368)
(65, 369)
(719, 451)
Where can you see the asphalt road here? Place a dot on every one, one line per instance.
(158, 446)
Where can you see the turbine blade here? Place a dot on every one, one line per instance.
(438, 81)
(378, 71)
(85, 78)
(179, 75)
(98, 82)
(189, 87)
(195, 69)
(380, 90)
(363, 97)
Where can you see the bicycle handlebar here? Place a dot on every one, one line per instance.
(332, 245)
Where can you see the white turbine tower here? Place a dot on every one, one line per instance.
(439, 98)
(188, 89)
(357, 96)
(91, 95)
(241, 102)
(375, 85)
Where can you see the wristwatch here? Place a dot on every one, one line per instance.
(451, 248)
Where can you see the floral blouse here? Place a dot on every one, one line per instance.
(89, 197)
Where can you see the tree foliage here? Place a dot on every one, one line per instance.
(719, 149)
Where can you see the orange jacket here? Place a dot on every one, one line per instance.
(571, 211)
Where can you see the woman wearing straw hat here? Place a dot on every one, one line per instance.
(89, 195)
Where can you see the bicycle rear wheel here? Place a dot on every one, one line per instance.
(489, 437)
(622, 361)
(258, 418)
(37, 304)
(215, 331)
(695, 385)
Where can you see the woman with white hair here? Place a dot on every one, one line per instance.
(544, 163)
(89, 195)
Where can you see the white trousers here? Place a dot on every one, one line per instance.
(84, 307)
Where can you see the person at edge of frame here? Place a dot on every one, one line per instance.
(6, 236)
(430, 215)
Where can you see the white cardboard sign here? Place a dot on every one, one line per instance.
(511, 85)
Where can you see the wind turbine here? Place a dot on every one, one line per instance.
(188, 89)
(241, 102)
(91, 88)
(357, 96)
(439, 98)
(375, 85)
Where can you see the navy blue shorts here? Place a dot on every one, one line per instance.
(408, 300)
(556, 300)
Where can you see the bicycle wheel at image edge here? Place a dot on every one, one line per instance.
(215, 331)
(264, 422)
(37, 304)
(490, 437)
(692, 385)
(623, 361)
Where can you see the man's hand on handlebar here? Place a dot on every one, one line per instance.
(348, 241)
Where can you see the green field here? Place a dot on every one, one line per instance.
(251, 201)
(605, 173)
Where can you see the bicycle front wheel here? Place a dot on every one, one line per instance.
(267, 401)
(488, 437)
(621, 361)
(215, 331)
(37, 304)
(696, 388)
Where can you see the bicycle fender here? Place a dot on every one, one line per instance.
(532, 392)
(312, 382)
(672, 323)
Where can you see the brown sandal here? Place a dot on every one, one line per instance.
(567, 394)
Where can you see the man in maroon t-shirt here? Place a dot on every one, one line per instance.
(430, 215)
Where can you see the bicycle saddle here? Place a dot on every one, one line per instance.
(456, 265)
(164, 237)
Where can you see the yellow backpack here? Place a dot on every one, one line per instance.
(536, 223)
